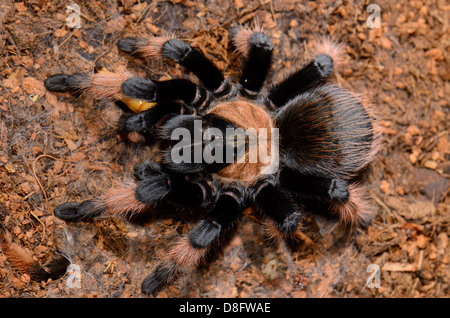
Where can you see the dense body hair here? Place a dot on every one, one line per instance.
(326, 132)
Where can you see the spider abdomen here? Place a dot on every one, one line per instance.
(326, 131)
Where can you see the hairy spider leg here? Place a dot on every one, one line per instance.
(150, 101)
(148, 121)
(327, 57)
(183, 54)
(314, 188)
(357, 210)
(102, 85)
(119, 201)
(163, 91)
(139, 94)
(256, 48)
(184, 191)
(182, 255)
(202, 144)
(194, 246)
(272, 203)
(225, 212)
(21, 259)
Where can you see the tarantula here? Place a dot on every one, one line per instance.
(326, 137)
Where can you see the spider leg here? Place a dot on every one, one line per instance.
(66, 83)
(227, 209)
(271, 202)
(257, 50)
(21, 259)
(183, 54)
(150, 101)
(192, 248)
(327, 58)
(314, 187)
(138, 94)
(103, 84)
(356, 210)
(203, 145)
(120, 201)
(163, 91)
(310, 75)
(346, 199)
(184, 191)
(131, 199)
(181, 255)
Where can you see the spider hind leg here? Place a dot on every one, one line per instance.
(357, 210)
(192, 248)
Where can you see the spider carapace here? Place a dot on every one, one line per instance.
(289, 148)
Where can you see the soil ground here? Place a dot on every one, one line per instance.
(58, 148)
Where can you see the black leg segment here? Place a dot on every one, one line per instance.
(257, 63)
(226, 211)
(273, 203)
(182, 53)
(314, 187)
(65, 82)
(312, 74)
(160, 91)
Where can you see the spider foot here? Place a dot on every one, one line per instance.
(74, 212)
(129, 45)
(290, 223)
(64, 82)
(163, 274)
(338, 190)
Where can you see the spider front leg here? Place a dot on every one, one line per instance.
(257, 49)
(163, 91)
(120, 201)
(181, 53)
(138, 94)
(147, 122)
(194, 246)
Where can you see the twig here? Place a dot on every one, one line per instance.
(35, 175)
(40, 221)
(385, 207)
